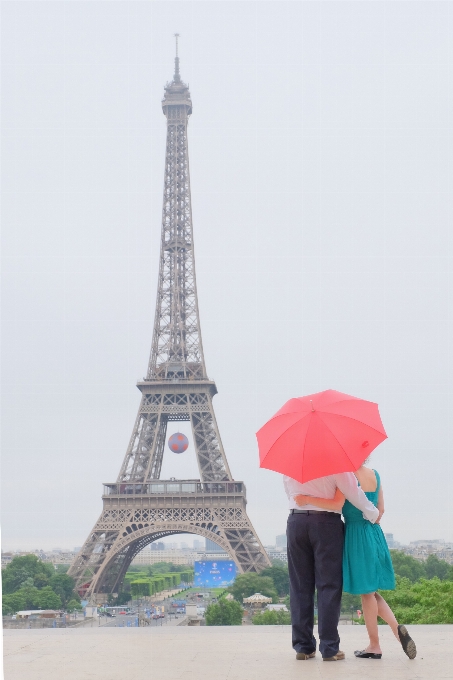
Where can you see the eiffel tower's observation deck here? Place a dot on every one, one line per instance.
(173, 488)
(139, 507)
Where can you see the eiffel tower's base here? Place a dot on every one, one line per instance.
(135, 515)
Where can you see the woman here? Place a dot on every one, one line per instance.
(367, 565)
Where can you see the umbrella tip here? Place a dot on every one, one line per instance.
(312, 407)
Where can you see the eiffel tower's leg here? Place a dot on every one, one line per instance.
(144, 455)
(247, 548)
(92, 556)
(211, 458)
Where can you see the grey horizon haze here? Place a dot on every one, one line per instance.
(321, 164)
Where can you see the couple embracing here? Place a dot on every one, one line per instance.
(307, 440)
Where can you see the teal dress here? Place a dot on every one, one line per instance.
(367, 565)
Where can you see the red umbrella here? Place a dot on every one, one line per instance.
(321, 434)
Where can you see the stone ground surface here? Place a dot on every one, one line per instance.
(217, 653)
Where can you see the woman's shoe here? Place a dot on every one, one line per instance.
(407, 642)
(367, 655)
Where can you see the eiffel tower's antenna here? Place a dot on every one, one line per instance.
(177, 77)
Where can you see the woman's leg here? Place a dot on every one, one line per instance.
(386, 614)
(370, 614)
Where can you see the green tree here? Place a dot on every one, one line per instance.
(407, 566)
(249, 584)
(31, 595)
(74, 606)
(24, 598)
(278, 563)
(41, 580)
(48, 599)
(436, 567)
(348, 601)
(224, 613)
(123, 598)
(423, 602)
(63, 585)
(166, 568)
(22, 568)
(13, 603)
(280, 576)
(272, 618)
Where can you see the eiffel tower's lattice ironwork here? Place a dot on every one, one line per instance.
(139, 507)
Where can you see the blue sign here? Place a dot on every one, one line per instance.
(214, 574)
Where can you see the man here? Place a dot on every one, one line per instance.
(315, 553)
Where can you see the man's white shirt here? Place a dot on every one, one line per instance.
(325, 487)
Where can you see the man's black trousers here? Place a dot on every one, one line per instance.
(315, 553)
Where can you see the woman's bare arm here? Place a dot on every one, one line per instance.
(380, 505)
(335, 503)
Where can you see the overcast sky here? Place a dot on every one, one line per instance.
(321, 165)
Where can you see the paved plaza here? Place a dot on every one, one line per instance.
(217, 653)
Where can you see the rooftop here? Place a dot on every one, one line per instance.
(217, 653)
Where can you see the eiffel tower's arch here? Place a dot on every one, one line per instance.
(139, 505)
(122, 532)
(110, 576)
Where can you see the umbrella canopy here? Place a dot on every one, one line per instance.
(321, 434)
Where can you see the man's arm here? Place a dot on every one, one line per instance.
(347, 483)
(285, 484)
(333, 504)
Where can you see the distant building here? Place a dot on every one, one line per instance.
(432, 541)
(61, 557)
(55, 557)
(38, 614)
(6, 558)
(212, 547)
(197, 544)
(390, 540)
(277, 607)
(158, 545)
(184, 557)
(280, 541)
(154, 556)
(422, 549)
(275, 554)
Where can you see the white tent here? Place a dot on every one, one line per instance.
(257, 598)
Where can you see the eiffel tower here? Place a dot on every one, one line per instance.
(139, 507)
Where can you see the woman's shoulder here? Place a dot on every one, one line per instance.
(370, 471)
(368, 478)
(365, 472)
